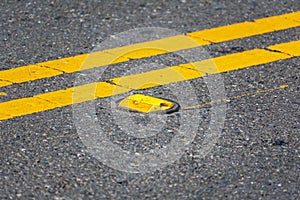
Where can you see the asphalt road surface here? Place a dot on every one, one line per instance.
(255, 156)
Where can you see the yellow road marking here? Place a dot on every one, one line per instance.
(291, 48)
(97, 59)
(147, 49)
(87, 92)
(236, 97)
(3, 94)
(199, 69)
(241, 60)
(56, 99)
(246, 29)
(4, 83)
(157, 77)
(29, 72)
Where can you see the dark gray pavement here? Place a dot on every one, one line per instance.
(257, 155)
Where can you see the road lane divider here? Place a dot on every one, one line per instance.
(291, 48)
(173, 74)
(148, 49)
(199, 69)
(248, 28)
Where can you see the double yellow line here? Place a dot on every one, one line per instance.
(82, 93)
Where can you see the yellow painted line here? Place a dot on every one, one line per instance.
(157, 77)
(4, 83)
(148, 49)
(26, 73)
(97, 59)
(236, 97)
(239, 60)
(199, 69)
(3, 94)
(246, 29)
(122, 54)
(87, 92)
(56, 99)
(291, 48)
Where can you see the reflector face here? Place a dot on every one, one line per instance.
(146, 104)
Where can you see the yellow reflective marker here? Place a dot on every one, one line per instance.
(146, 104)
